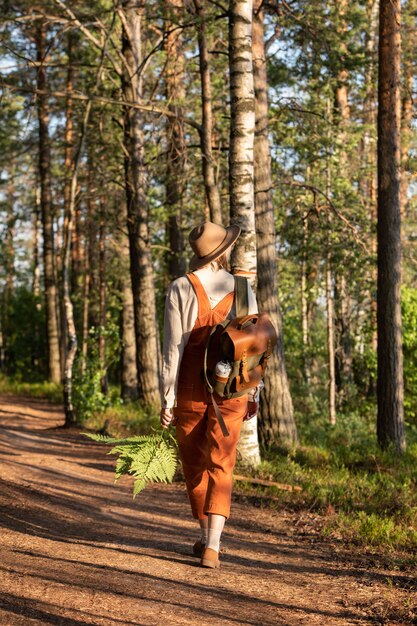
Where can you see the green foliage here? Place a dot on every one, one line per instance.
(365, 495)
(45, 389)
(88, 395)
(409, 316)
(25, 348)
(373, 530)
(148, 458)
(124, 419)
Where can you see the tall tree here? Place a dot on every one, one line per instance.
(147, 341)
(129, 377)
(390, 385)
(343, 352)
(206, 136)
(50, 278)
(175, 164)
(103, 294)
(241, 168)
(277, 414)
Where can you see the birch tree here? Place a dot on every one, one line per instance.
(241, 169)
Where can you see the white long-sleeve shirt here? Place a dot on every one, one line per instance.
(181, 312)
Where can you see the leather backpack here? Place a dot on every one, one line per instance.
(245, 344)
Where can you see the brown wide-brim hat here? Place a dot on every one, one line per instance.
(208, 241)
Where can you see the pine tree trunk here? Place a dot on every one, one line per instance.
(211, 187)
(390, 384)
(9, 270)
(343, 337)
(175, 174)
(147, 340)
(128, 374)
(343, 351)
(50, 279)
(129, 389)
(242, 204)
(277, 415)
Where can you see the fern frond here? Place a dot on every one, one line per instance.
(106, 439)
(148, 458)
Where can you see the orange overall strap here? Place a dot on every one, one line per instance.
(202, 297)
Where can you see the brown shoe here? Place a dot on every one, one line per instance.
(198, 548)
(210, 558)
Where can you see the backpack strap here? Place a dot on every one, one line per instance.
(208, 384)
(241, 296)
(242, 307)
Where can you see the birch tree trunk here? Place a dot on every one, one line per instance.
(330, 338)
(86, 287)
(390, 384)
(242, 128)
(102, 291)
(70, 416)
(241, 169)
(304, 310)
(277, 414)
(147, 340)
(50, 279)
(68, 169)
(206, 137)
(37, 226)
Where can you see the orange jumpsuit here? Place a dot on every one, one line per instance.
(208, 458)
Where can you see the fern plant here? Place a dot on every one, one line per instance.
(148, 458)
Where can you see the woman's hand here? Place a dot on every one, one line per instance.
(166, 417)
(253, 408)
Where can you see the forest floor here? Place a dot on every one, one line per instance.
(76, 549)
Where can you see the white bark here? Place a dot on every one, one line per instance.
(241, 170)
(242, 129)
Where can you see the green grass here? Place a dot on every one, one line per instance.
(124, 420)
(366, 496)
(49, 391)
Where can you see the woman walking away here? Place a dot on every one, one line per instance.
(194, 304)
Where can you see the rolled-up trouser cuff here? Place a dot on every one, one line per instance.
(215, 509)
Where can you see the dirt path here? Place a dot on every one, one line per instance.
(75, 548)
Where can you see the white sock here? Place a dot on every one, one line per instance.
(213, 540)
(204, 535)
